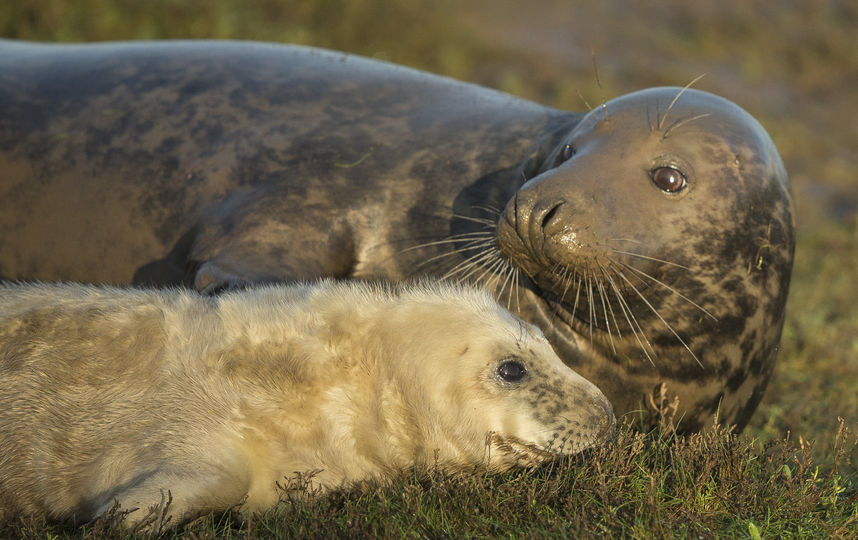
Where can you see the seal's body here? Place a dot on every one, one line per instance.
(125, 394)
(651, 237)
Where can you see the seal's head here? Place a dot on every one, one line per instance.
(659, 234)
(480, 384)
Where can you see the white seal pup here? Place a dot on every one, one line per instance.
(129, 395)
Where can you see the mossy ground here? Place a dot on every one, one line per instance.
(794, 65)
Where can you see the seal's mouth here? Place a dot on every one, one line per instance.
(521, 451)
(596, 287)
(524, 453)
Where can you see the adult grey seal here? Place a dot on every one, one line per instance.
(651, 238)
(127, 395)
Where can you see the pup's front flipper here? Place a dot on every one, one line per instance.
(148, 507)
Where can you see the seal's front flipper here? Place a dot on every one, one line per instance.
(260, 238)
(212, 279)
(152, 518)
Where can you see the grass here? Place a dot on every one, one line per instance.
(655, 485)
(793, 473)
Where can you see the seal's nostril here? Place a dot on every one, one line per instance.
(550, 214)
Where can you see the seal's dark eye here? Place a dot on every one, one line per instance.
(565, 153)
(668, 179)
(511, 371)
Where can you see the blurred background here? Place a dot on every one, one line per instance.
(793, 64)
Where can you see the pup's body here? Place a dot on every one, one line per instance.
(111, 394)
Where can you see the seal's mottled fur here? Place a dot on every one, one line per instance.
(132, 394)
(215, 164)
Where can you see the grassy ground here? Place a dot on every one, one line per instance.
(793, 64)
(641, 485)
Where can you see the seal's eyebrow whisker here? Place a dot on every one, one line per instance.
(682, 122)
(643, 274)
(637, 331)
(583, 100)
(657, 314)
(676, 98)
(599, 84)
(649, 117)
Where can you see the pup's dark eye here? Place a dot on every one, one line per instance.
(668, 179)
(511, 371)
(565, 153)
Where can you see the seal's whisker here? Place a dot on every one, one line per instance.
(648, 258)
(577, 294)
(488, 209)
(474, 264)
(470, 246)
(637, 331)
(512, 271)
(568, 282)
(481, 220)
(632, 240)
(592, 308)
(481, 235)
(423, 264)
(566, 279)
(657, 314)
(605, 310)
(604, 291)
(468, 266)
(492, 270)
(681, 122)
(516, 275)
(478, 243)
(669, 288)
(676, 98)
(554, 270)
(507, 281)
(462, 265)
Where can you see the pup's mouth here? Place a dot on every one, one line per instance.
(522, 452)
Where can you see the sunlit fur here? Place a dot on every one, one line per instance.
(637, 285)
(129, 395)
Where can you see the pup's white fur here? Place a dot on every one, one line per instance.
(125, 394)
